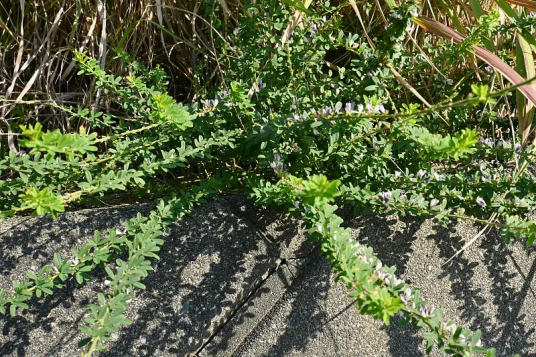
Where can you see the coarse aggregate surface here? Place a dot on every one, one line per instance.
(239, 280)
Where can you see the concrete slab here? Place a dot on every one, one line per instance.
(210, 264)
(489, 287)
(238, 280)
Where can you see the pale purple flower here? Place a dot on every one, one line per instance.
(386, 196)
(383, 276)
(398, 174)
(380, 108)
(73, 261)
(434, 202)
(314, 29)
(349, 107)
(488, 141)
(532, 14)
(327, 111)
(406, 296)
(517, 147)
(438, 176)
(211, 104)
(360, 108)
(259, 85)
(277, 165)
(488, 69)
(395, 281)
(480, 201)
(450, 328)
(427, 311)
(422, 173)
(121, 231)
(223, 95)
(369, 106)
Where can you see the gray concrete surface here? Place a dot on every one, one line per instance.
(238, 280)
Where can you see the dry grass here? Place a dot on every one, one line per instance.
(37, 40)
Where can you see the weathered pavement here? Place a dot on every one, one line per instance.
(238, 280)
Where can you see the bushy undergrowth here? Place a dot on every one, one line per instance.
(310, 114)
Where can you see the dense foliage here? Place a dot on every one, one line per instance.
(309, 114)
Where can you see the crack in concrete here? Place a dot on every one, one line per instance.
(279, 262)
(265, 277)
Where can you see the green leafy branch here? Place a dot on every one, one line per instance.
(377, 290)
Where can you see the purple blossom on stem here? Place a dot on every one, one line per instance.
(211, 104)
(259, 85)
(406, 296)
(327, 111)
(395, 281)
(277, 165)
(427, 311)
(386, 196)
(380, 108)
(223, 95)
(314, 29)
(382, 275)
(422, 173)
(349, 107)
(480, 201)
(73, 261)
(450, 328)
(517, 147)
(488, 69)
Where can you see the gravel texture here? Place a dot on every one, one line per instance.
(238, 280)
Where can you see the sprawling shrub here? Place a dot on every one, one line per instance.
(310, 115)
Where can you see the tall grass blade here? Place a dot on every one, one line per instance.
(488, 57)
(525, 67)
(528, 4)
(479, 12)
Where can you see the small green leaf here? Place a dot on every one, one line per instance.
(84, 342)
(298, 5)
(85, 329)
